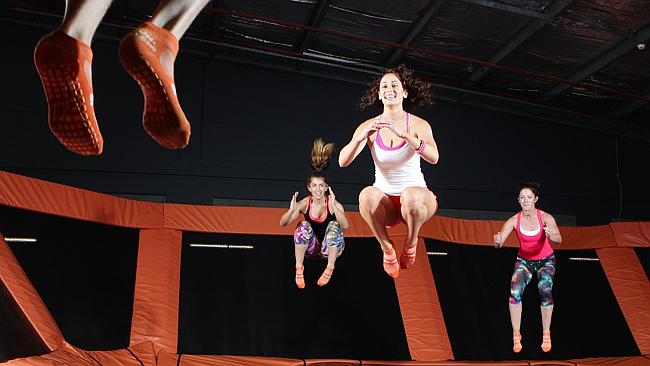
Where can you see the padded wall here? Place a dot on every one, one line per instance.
(17, 336)
(245, 302)
(629, 284)
(83, 271)
(644, 258)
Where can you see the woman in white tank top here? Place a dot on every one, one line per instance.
(397, 141)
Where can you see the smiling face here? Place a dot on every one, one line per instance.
(527, 199)
(317, 187)
(391, 90)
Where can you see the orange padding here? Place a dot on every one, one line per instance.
(618, 361)
(631, 234)
(447, 363)
(22, 291)
(632, 290)
(332, 362)
(57, 199)
(156, 318)
(168, 359)
(140, 355)
(42, 196)
(157, 288)
(424, 323)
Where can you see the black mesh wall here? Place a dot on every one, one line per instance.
(245, 302)
(84, 272)
(17, 337)
(473, 284)
(644, 257)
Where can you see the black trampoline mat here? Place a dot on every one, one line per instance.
(473, 284)
(245, 302)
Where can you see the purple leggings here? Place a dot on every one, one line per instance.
(304, 235)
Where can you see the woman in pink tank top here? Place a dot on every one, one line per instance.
(397, 141)
(535, 230)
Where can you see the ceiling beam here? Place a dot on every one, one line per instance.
(521, 37)
(509, 9)
(621, 48)
(416, 29)
(213, 20)
(317, 15)
(628, 108)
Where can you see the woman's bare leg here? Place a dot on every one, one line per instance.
(418, 205)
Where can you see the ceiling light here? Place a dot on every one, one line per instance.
(20, 240)
(221, 246)
(437, 253)
(583, 259)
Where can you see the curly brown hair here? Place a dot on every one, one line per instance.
(419, 91)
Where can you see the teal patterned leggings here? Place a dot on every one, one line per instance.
(523, 273)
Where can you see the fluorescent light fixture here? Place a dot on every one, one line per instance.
(20, 240)
(583, 259)
(221, 246)
(240, 246)
(437, 253)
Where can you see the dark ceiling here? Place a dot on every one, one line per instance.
(575, 62)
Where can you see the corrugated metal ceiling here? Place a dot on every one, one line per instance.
(577, 61)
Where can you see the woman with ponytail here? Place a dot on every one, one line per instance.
(320, 234)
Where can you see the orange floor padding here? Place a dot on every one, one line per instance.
(154, 329)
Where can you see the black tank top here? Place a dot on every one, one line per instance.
(319, 225)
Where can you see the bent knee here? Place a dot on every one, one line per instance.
(370, 196)
(417, 196)
(303, 233)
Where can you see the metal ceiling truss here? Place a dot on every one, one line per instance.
(621, 48)
(316, 18)
(509, 9)
(522, 36)
(359, 72)
(414, 32)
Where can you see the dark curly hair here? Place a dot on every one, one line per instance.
(533, 186)
(419, 91)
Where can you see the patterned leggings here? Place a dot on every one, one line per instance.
(304, 235)
(523, 273)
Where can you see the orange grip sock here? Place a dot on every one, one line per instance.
(325, 277)
(148, 55)
(407, 259)
(64, 66)
(516, 342)
(300, 277)
(391, 266)
(546, 341)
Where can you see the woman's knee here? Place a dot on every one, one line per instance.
(545, 296)
(303, 233)
(370, 197)
(545, 290)
(334, 226)
(334, 234)
(417, 198)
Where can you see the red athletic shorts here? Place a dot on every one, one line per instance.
(398, 211)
